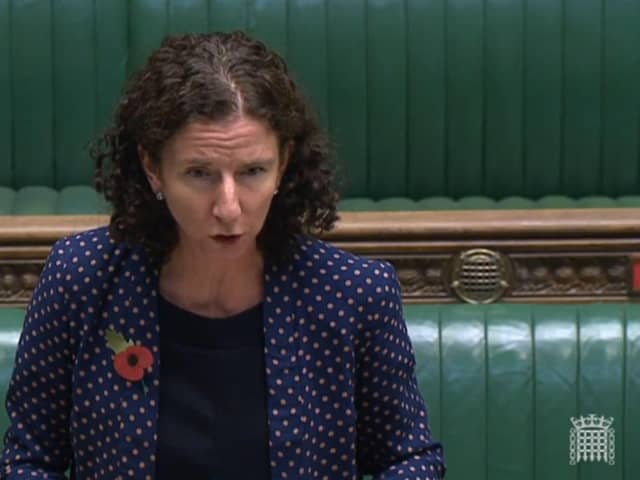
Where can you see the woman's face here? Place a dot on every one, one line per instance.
(218, 179)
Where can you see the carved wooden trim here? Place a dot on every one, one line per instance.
(422, 277)
(556, 255)
(17, 280)
(536, 278)
(601, 275)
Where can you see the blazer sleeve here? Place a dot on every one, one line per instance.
(36, 444)
(394, 440)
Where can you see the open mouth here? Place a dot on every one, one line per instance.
(227, 238)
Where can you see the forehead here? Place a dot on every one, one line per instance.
(208, 139)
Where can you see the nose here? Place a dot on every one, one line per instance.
(227, 205)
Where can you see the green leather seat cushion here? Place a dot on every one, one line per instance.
(81, 199)
(480, 203)
(502, 382)
(42, 200)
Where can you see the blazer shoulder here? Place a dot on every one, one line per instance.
(337, 264)
(91, 254)
(95, 244)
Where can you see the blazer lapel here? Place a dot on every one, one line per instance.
(138, 414)
(285, 399)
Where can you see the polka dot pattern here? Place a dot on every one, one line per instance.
(342, 395)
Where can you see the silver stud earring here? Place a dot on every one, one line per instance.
(276, 192)
(159, 196)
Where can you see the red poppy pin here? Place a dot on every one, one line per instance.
(130, 360)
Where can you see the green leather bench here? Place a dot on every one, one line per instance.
(431, 104)
(503, 381)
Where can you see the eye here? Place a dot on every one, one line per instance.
(253, 171)
(197, 173)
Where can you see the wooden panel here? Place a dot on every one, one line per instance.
(554, 255)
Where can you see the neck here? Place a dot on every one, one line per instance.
(215, 287)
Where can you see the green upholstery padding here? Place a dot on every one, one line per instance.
(478, 203)
(75, 200)
(502, 382)
(84, 200)
(423, 99)
(11, 320)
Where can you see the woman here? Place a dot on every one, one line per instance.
(203, 333)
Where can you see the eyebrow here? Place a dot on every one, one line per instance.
(203, 162)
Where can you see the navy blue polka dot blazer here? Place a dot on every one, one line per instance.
(342, 395)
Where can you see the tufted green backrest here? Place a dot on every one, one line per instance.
(423, 98)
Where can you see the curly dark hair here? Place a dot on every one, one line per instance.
(213, 76)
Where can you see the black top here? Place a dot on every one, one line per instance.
(212, 414)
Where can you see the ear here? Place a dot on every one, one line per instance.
(150, 169)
